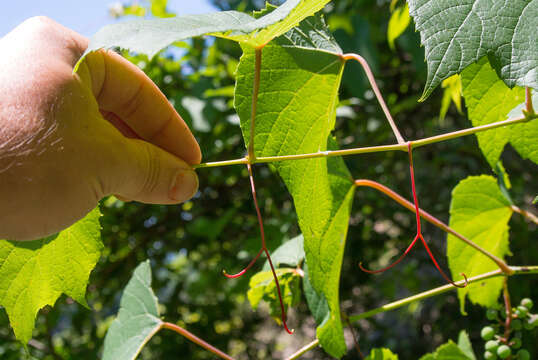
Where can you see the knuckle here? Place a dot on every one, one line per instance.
(150, 167)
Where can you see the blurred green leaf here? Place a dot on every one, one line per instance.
(451, 94)
(399, 21)
(448, 351)
(464, 343)
(381, 354)
(480, 212)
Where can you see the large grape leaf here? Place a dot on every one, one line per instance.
(138, 319)
(480, 212)
(150, 36)
(35, 273)
(489, 100)
(457, 33)
(296, 113)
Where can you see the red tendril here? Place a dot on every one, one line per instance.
(419, 233)
(262, 250)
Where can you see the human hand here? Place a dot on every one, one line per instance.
(67, 140)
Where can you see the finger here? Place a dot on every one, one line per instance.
(149, 174)
(123, 89)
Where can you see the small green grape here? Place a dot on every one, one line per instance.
(521, 311)
(516, 343)
(492, 345)
(488, 355)
(517, 324)
(487, 333)
(527, 303)
(532, 322)
(491, 314)
(504, 351)
(523, 355)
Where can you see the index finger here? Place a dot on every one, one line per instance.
(123, 89)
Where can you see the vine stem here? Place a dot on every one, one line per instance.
(526, 214)
(195, 339)
(515, 270)
(528, 101)
(262, 250)
(373, 84)
(370, 149)
(431, 219)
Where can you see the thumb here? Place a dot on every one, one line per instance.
(149, 174)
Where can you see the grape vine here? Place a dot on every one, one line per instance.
(289, 56)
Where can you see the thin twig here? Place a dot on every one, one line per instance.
(528, 101)
(526, 214)
(304, 350)
(195, 339)
(514, 270)
(370, 149)
(373, 84)
(355, 340)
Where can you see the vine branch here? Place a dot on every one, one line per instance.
(515, 270)
(370, 149)
(526, 214)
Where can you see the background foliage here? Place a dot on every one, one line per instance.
(189, 245)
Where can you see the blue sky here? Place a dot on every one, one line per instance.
(83, 16)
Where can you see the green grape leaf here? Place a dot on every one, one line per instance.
(34, 274)
(480, 212)
(448, 351)
(381, 354)
(457, 33)
(399, 21)
(296, 112)
(535, 201)
(290, 253)
(263, 287)
(464, 343)
(151, 36)
(138, 318)
(317, 303)
(489, 100)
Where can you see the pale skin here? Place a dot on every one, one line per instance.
(68, 140)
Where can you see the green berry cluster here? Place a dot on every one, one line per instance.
(500, 346)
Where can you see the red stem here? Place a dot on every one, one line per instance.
(419, 229)
(195, 339)
(263, 249)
